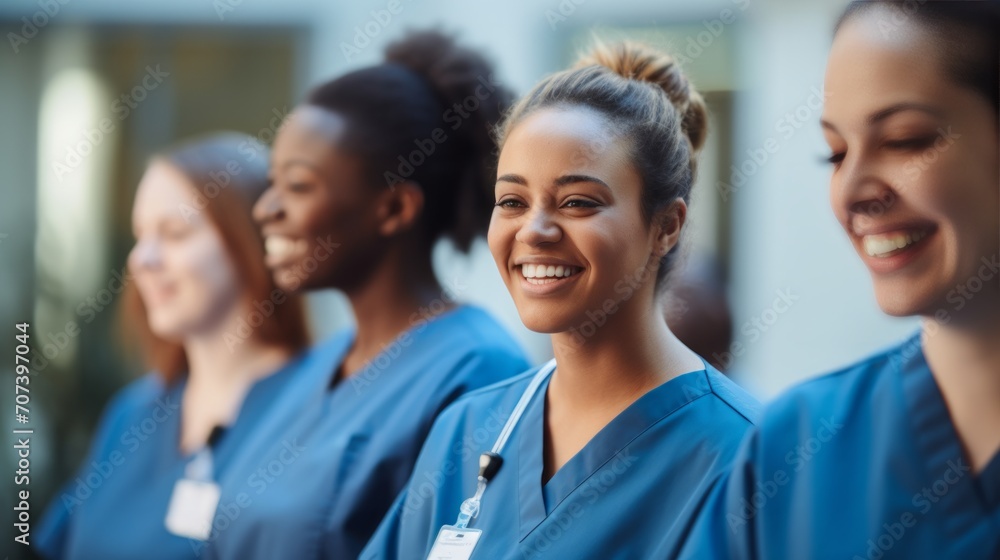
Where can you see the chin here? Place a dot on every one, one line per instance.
(903, 299)
(168, 330)
(541, 319)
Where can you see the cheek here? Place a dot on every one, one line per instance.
(613, 247)
(205, 270)
(499, 237)
(950, 189)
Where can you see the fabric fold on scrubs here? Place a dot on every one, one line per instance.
(630, 492)
(317, 479)
(863, 463)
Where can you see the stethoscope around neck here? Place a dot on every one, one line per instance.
(491, 461)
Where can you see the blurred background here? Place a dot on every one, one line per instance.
(772, 293)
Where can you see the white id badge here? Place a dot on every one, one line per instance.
(454, 544)
(192, 508)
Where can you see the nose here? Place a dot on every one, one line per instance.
(859, 192)
(268, 207)
(539, 228)
(145, 254)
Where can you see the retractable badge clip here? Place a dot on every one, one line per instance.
(489, 465)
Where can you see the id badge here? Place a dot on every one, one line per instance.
(454, 544)
(192, 508)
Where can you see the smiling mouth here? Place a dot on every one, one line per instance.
(542, 274)
(279, 248)
(886, 245)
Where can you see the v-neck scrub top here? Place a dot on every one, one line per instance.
(864, 463)
(326, 469)
(116, 505)
(632, 490)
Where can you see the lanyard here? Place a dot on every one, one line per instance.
(201, 467)
(490, 461)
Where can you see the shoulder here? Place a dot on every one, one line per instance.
(497, 399)
(842, 391)
(744, 408)
(137, 395)
(842, 401)
(135, 401)
(470, 339)
(471, 326)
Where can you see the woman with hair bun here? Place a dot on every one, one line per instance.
(605, 451)
(368, 174)
(896, 456)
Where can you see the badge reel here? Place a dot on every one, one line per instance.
(195, 498)
(456, 542)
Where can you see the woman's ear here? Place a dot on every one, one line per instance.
(400, 208)
(668, 224)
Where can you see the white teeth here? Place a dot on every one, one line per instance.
(884, 245)
(280, 246)
(547, 271)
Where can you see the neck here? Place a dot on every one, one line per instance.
(218, 379)
(633, 352)
(400, 292)
(964, 356)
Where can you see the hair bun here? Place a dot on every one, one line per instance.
(634, 61)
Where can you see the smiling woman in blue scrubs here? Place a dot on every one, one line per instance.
(368, 175)
(897, 456)
(606, 451)
(195, 271)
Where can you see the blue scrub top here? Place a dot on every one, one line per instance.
(630, 492)
(863, 463)
(116, 506)
(318, 479)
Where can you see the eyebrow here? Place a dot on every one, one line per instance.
(559, 182)
(882, 114)
(303, 163)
